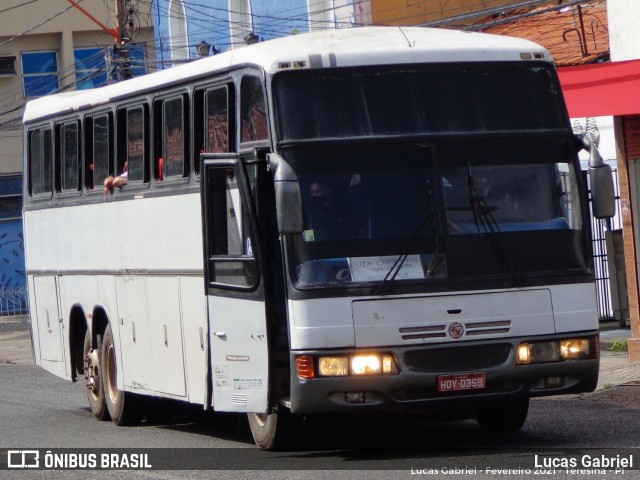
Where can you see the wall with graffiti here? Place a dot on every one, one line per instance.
(13, 296)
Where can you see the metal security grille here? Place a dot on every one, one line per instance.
(600, 257)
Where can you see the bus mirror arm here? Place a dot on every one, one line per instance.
(600, 180)
(288, 198)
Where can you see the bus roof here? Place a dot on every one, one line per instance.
(347, 47)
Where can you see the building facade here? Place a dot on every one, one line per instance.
(48, 47)
(182, 26)
(624, 16)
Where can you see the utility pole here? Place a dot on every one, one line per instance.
(121, 70)
(121, 47)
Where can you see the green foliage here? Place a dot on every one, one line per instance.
(618, 346)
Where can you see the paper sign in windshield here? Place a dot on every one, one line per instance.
(372, 269)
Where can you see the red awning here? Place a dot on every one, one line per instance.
(597, 89)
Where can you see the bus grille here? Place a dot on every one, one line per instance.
(458, 358)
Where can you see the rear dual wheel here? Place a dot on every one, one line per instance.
(93, 377)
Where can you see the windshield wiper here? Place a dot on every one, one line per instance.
(408, 247)
(483, 216)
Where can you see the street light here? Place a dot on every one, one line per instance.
(251, 39)
(203, 48)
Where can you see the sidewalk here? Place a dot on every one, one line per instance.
(15, 341)
(615, 370)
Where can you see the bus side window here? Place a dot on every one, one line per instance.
(67, 157)
(171, 132)
(214, 120)
(40, 162)
(253, 110)
(98, 150)
(231, 257)
(217, 121)
(133, 152)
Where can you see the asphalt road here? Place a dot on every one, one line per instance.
(41, 411)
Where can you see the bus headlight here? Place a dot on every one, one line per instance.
(574, 349)
(538, 352)
(365, 364)
(373, 364)
(541, 352)
(333, 366)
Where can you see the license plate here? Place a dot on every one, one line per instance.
(466, 381)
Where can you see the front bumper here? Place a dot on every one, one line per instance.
(414, 388)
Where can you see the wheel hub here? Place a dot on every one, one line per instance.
(91, 365)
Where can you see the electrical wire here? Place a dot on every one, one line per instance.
(18, 6)
(39, 25)
(203, 19)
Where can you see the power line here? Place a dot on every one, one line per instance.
(18, 6)
(39, 25)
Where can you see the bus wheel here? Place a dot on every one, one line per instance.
(503, 417)
(93, 378)
(123, 407)
(269, 431)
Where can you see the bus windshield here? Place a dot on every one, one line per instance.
(372, 209)
(432, 174)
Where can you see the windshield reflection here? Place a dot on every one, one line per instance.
(387, 212)
(381, 214)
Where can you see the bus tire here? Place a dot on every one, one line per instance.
(93, 378)
(503, 417)
(270, 431)
(123, 407)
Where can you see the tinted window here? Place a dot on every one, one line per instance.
(40, 161)
(69, 157)
(135, 144)
(174, 138)
(217, 121)
(101, 151)
(443, 98)
(253, 110)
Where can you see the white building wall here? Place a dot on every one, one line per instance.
(624, 35)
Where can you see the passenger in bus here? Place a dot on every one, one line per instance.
(323, 215)
(331, 216)
(480, 188)
(120, 181)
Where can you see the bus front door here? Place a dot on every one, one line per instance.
(239, 359)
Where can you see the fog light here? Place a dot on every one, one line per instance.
(553, 382)
(355, 397)
(574, 349)
(333, 366)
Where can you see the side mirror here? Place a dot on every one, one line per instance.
(601, 182)
(288, 197)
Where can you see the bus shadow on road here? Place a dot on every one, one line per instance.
(348, 433)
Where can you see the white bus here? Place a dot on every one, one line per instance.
(373, 219)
